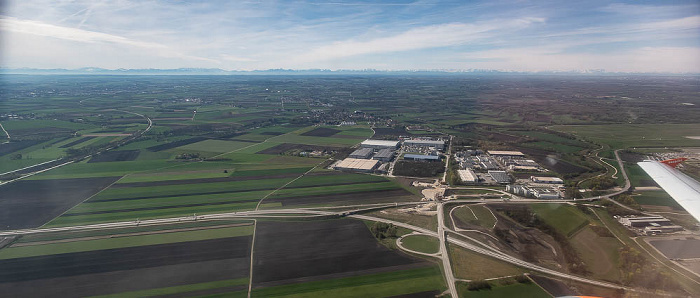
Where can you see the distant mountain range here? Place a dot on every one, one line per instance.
(217, 71)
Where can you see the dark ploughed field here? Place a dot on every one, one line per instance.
(321, 132)
(552, 286)
(120, 155)
(284, 147)
(175, 144)
(32, 203)
(126, 269)
(291, 252)
(678, 248)
(76, 142)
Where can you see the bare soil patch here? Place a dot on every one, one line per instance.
(287, 252)
(552, 286)
(76, 142)
(175, 144)
(32, 203)
(321, 132)
(118, 155)
(127, 269)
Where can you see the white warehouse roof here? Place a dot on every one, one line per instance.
(507, 153)
(426, 142)
(357, 164)
(467, 175)
(380, 143)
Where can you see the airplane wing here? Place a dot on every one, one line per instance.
(682, 188)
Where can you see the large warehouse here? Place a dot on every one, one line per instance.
(357, 165)
(421, 157)
(467, 176)
(384, 155)
(499, 176)
(505, 153)
(379, 144)
(362, 153)
(425, 143)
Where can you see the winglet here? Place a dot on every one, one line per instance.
(674, 162)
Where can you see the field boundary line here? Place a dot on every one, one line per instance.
(285, 185)
(606, 226)
(83, 201)
(7, 133)
(252, 251)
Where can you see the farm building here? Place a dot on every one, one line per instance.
(357, 165)
(467, 176)
(379, 144)
(547, 180)
(362, 153)
(499, 176)
(421, 157)
(425, 143)
(384, 155)
(505, 153)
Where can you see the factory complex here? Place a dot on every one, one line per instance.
(649, 225)
(382, 152)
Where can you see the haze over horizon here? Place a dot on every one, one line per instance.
(632, 36)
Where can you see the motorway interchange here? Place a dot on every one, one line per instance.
(444, 233)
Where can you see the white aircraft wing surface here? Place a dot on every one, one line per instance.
(683, 189)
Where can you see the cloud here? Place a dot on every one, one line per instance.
(36, 28)
(646, 59)
(233, 58)
(434, 36)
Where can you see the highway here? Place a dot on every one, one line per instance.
(496, 255)
(479, 248)
(444, 255)
(442, 231)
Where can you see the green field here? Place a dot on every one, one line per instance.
(620, 136)
(467, 213)
(655, 198)
(119, 242)
(470, 265)
(601, 254)
(421, 243)
(374, 285)
(529, 290)
(564, 218)
(218, 146)
(184, 289)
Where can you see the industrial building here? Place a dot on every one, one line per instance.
(499, 176)
(379, 144)
(421, 157)
(362, 153)
(544, 193)
(645, 221)
(425, 143)
(384, 155)
(357, 165)
(505, 153)
(653, 230)
(546, 180)
(467, 176)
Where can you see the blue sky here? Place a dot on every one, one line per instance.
(634, 36)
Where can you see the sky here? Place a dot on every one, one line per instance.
(538, 35)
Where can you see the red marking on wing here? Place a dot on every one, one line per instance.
(674, 162)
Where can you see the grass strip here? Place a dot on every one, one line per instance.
(179, 289)
(121, 242)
